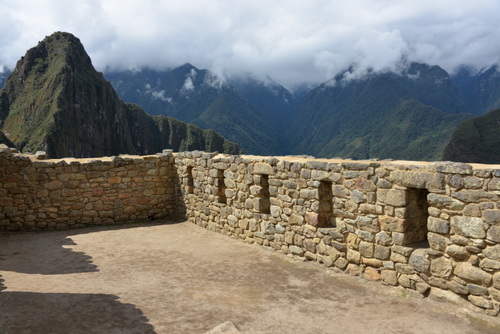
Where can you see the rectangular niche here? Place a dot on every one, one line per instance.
(221, 187)
(416, 215)
(325, 204)
(189, 180)
(264, 200)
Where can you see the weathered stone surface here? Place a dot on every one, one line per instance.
(457, 252)
(492, 252)
(445, 202)
(470, 273)
(262, 168)
(454, 168)
(492, 216)
(441, 267)
(419, 180)
(396, 197)
(419, 261)
(477, 290)
(474, 196)
(389, 276)
(489, 265)
(468, 226)
(480, 302)
(393, 224)
(295, 250)
(438, 225)
(296, 219)
(494, 233)
(437, 241)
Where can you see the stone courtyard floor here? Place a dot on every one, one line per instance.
(179, 278)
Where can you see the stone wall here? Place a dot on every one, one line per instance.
(39, 195)
(432, 228)
(429, 227)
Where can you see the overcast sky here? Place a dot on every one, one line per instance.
(290, 41)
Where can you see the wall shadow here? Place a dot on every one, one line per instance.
(69, 313)
(2, 287)
(50, 252)
(42, 253)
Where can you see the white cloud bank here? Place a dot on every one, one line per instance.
(291, 41)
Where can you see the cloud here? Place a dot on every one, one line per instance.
(291, 41)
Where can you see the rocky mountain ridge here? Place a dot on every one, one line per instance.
(54, 100)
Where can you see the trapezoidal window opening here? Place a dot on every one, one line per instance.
(221, 187)
(264, 200)
(325, 204)
(189, 180)
(416, 216)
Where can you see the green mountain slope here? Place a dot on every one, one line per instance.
(476, 140)
(199, 97)
(481, 90)
(54, 100)
(378, 117)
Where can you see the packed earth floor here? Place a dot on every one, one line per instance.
(179, 278)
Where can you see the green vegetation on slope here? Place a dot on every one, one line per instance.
(476, 140)
(55, 101)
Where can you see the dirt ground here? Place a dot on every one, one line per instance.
(179, 278)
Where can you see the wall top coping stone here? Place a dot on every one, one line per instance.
(308, 161)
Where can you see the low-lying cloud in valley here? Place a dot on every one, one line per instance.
(293, 42)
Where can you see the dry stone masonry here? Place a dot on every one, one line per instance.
(38, 195)
(431, 228)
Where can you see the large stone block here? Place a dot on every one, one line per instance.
(492, 216)
(468, 272)
(441, 267)
(421, 180)
(444, 202)
(438, 225)
(263, 168)
(396, 197)
(393, 224)
(472, 227)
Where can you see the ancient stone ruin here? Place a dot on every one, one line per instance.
(432, 228)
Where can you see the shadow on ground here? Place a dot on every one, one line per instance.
(69, 313)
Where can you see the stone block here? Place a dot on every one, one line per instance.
(437, 242)
(393, 224)
(341, 263)
(295, 250)
(396, 197)
(419, 261)
(480, 302)
(472, 227)
(492, 252)
(390, 277)
(489, 265)
(263, 168)
(371, 274)
(494, 233)
(438, 225)
(418, 180)
(457, 252)
(441, 267)
(474, 196)
(445, 202)
(296, 219)
(473, 274)
(353, 256)
(492, 216)
(382, 252)
(366, 249)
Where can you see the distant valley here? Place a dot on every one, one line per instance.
(411, 115)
